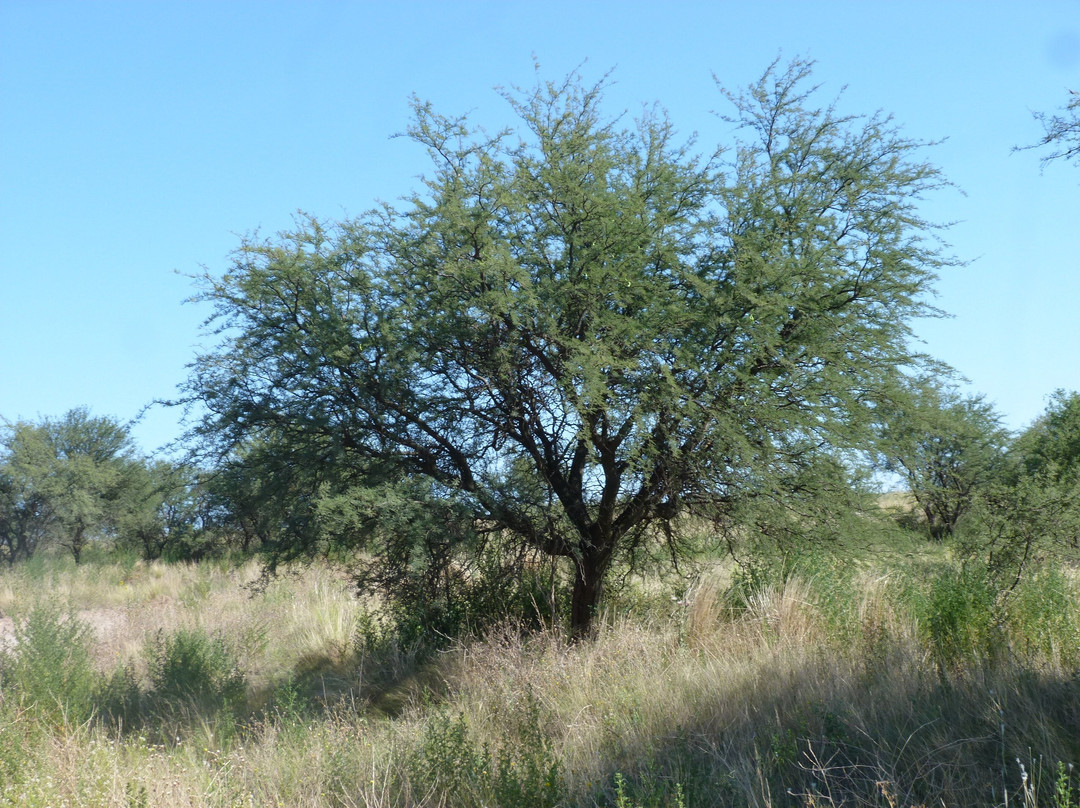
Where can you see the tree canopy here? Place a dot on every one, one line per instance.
(65, 480)
(946, 447)
(580, 330)
(1061, 132)
(1051, 445)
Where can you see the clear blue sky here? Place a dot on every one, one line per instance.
(138, 139)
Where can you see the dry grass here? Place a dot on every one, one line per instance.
(805, 693)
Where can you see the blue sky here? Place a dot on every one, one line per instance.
(139, 140)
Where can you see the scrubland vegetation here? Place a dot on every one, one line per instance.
(895, 680)
(555, 486)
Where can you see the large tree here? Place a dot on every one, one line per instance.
(579, 330)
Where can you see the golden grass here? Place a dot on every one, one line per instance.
(739, 703)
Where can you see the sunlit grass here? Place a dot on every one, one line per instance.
(822, 689)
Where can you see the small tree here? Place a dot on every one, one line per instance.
(64, 480)
(945, 446)
(580, 331)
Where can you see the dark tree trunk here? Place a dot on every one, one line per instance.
(591, 568)
(76, 546)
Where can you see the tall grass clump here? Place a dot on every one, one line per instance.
(1044, 620)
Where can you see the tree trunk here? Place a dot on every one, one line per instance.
(76, 546)
(588, 590)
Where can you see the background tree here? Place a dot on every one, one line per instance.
(64, 481)
(1031, 511)
(580, 331)
(25, 512)
(1051, 445)
(264, 493)
(163, 512)
(945, 447)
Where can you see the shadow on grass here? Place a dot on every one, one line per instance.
(195, 683)
(989, 736)
(828, 730)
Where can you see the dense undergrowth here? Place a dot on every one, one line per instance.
(887, 683)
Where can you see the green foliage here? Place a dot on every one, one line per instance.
(645, 791)
(836, 594)
(20, 736)
(1014, 525)
(1044, 618)
(1051, 446)
(439, 575)
(582, 330)
(1032, 512)
(189, 668)
(288, 704)
(957, 615)
(629, 795)
(265, 493)
(66, 481)
(449, 762)
(1066, 793)
(521, 772)
(118, 698)
(163, 514)
(49, 671)
(946, 447)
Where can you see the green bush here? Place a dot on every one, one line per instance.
(957, 615)
(521, 772)
(49, 670)
(190, 668)
(1043, 619)
(119, 699)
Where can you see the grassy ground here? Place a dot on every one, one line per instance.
(889, 683)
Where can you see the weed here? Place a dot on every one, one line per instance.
(653, 798)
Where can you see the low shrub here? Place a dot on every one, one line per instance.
(49, 670)
(957, 615)
(190, 668)
(520, 772)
